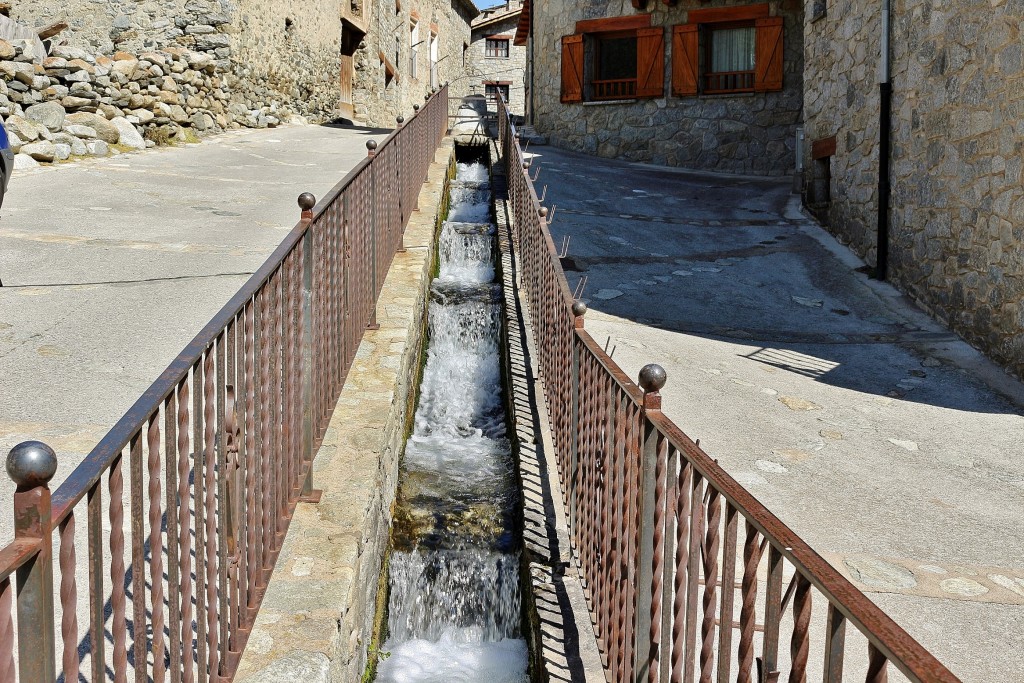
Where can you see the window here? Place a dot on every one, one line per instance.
(613, 59)
(497, 47)
(742, 51)
(491, 90)
(414, 50)
(433, 61)
(729, 61)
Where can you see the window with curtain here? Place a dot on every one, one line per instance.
(730, 59)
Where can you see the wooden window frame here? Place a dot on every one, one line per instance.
(745, 79)
(497, 39)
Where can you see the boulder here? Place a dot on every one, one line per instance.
(69, 52)
(27, 130)
(73, 102)
(14, 141)
(6, 50)
(41, 151)
(49, 114)
(105, 130)
(24, 161)
(61, 151)
(79, 131)
(128, 136)
(97, 148)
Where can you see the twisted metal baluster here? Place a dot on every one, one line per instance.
(657, 578)
(710, 580)
(68, 600)
(209, 423)
(801, 621)
(748, 610)
(682, 559)
(156, 560)
(877, 666)
(184, 532)
(118, 627)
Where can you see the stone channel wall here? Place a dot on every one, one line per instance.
(316, 622)
(378, 96)
(957, 210)
(751, 133)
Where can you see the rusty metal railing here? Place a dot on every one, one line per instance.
(179, 549)
(686, 574)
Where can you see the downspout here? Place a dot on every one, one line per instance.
(530, 66)
(884, 129)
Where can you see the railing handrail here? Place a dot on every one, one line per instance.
(88, 472)
(890, 639)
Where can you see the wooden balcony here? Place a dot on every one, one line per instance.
(617, 89)
(728, 81)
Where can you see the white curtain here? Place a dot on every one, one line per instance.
(732, 49)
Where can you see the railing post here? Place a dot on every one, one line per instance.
(31, 465)
(652, 379)
(308, 494)
(579, 309)
(371, 151)
(399, 161)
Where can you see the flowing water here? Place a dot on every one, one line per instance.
(454, 607)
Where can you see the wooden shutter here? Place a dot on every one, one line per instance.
(572, 68)
(684, 60)
(650, 62)
(768, 54)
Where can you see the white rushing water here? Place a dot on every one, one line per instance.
(454, 608)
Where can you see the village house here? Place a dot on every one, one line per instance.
(493, 63)
(713, 87)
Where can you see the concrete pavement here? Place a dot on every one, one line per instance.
(887, 443)
(111, 266)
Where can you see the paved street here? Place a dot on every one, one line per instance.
(892, 447)
(111, 266)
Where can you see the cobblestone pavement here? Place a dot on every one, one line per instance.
(110, 267)
(885, 441)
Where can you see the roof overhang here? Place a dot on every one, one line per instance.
(523, 30)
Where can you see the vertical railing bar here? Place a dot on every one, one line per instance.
(210, 462)
(728, 597)
(773, 612)
(118, 625)
(68, 599)
(171, 511)
(97, 636)
(835, 645)
(156, 549)
(692, 570)
(139, 641)
(185, 527)
(199, 500)
(223, 613)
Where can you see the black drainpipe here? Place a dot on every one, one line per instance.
(885, 127)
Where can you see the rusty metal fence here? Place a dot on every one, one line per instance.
(686, 574)
(167, 532)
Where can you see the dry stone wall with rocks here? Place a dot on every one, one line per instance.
(957, 210)
(72, 103)
(750, 133)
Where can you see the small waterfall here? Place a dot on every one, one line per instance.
(454, 607)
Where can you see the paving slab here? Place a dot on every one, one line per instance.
(883, 439)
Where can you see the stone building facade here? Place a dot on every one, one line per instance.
(956, 214)
(493, 62)
(432, 34)
(686, 111)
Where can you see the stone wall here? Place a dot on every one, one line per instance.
(378, 99)
(752, 133)
(480, 68)
(281, 54)
(957, 210)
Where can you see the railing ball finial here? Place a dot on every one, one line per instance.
(579, 309)
(371, 147)
(31, 464)
(400, 120)
(526, 164)
(306, 202)
(542, 212)
(652, 378)
(415, 107)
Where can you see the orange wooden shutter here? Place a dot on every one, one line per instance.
(684, 60)
(572, 68)
(650, 62)
(768, 54)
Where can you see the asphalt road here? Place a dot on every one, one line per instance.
(884, 440)
(110, 267)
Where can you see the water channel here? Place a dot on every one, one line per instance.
(454, 610)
